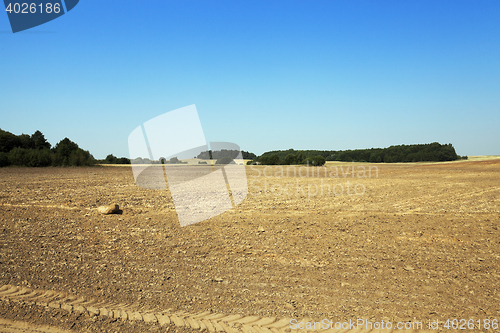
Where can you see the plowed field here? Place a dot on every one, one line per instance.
(399, 243)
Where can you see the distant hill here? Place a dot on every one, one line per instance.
(430, 152)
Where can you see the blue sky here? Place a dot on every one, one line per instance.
(265, 75)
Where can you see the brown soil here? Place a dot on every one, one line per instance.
(422, 242)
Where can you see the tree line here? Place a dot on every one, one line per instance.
(431, 152)
(291, 157)
(35, 151)
(112, 159)
(225, 154)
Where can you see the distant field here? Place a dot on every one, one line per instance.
(194, 161)
(484, 158)
(470, 158)
(191, 161)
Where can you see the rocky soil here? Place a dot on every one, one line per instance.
(410, 242)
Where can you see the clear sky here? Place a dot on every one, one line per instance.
(266, 75)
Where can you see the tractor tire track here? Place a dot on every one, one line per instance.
(212, 322)
(208, 321)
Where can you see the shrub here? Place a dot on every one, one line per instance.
(319, 161)
(315, 160)
(4, 159)
(275, 159)
(39, 158)
(112, 159)
(80, 157)
(18, 156)
(123, 160)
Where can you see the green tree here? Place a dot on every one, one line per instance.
(68, 153)
(26, 141)
(65, 147)
(39, 141)
(111, 159)
(290, 159)
(247, 155)
(274, 160)
(319, 160)
(300, 157)
(8, 141)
